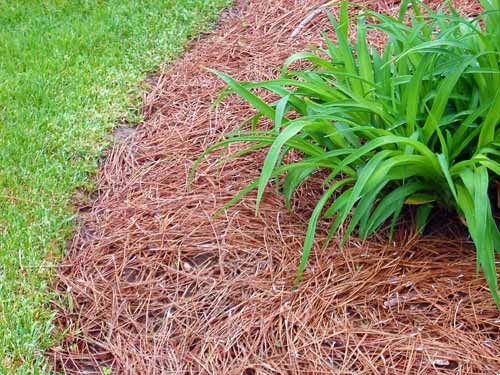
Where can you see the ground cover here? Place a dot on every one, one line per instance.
(157, 286)
(69, 71)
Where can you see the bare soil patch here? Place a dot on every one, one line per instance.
(155, 286)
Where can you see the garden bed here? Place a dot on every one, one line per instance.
(156, 286)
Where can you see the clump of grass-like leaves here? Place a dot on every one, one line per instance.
(417, 124)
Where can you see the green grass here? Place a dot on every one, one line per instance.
(416, 125)
(69, 71)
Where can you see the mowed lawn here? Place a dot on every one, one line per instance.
(69, 71)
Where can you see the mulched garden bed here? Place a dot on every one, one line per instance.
(155, 286)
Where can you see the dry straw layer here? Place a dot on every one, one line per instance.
(155, 286)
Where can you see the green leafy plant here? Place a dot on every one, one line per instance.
(415, 124)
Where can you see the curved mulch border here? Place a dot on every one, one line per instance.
(157, 287)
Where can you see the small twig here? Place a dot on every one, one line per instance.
(14, 198)
(310, 17)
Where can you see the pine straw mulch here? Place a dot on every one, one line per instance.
(155, 286)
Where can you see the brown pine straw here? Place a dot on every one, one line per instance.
(153, 285)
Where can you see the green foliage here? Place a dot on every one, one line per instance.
(69, 71)
(414, 125)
